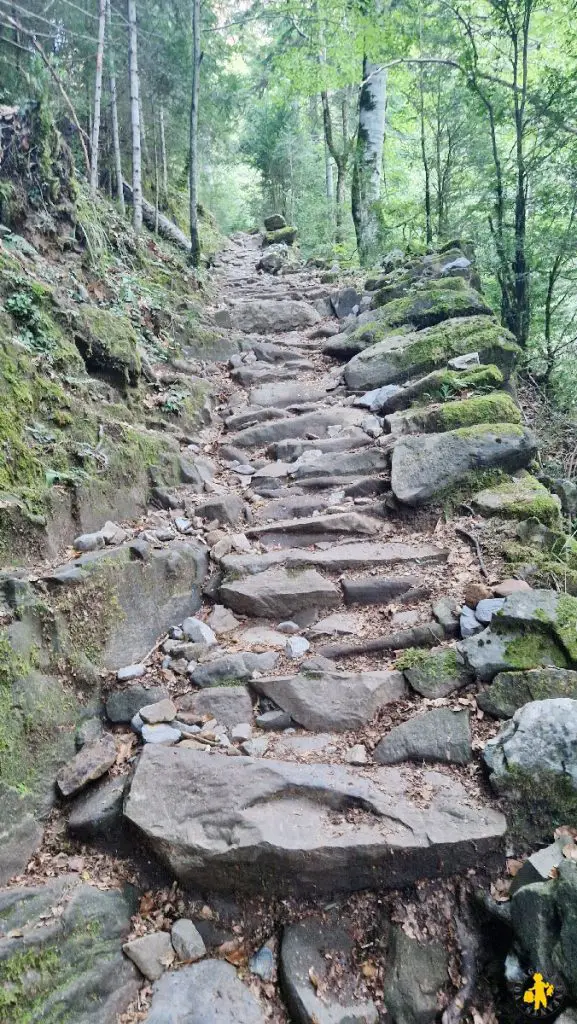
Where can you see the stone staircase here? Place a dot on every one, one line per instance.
(268, 770)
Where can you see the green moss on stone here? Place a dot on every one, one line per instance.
(480, 429)
(411, 658)
(495, 408)
(90, 609)
(538, 803)
(566, 624)
(529, 650)
(287, 234)
(107, 342)
(446, 383)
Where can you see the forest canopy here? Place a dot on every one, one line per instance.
(370, 125)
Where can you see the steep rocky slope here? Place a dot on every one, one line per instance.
(265, 687)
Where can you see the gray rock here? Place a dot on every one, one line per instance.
(226, 508)
(297, 647)
(302, 958)
(244, 838)
(317, 423)
(441, 671)
(548, 611)
(208, 992)
(89, 542)
(357, 755)
(230, 670)
(334, 700)
(75, 933)
(187, 940)
(415, 972)
(221, 620)
(374, 400)
(263, 316)
(161, 733)
(535, 922)
(274, 720)
(92, 761)
(540, 741)
(88, 731)
(509, 691)
(198, 631)
(152, 953)
(122, 705)
(337, 624)
(264, 662)
(228, 704)
(256, 747)
(344, 302)
(277, 593)
(566, 491)
(98, 813)
(274, 222)
(438, 735)
(378, 590)
(130, 672)
(490, 652)
(262, 963)
(447, 611)
(286, 394)
(358, 463)
(288, 627)
(466, 362)
(425, 465)
(541, 865)
(339, 523)
(469, 624)
(487, 608)
(161, 711)
(242, 731)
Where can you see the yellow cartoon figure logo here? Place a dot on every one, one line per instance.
(538, 997)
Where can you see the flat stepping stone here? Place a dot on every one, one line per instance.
(282, 395)
(206, 991)
(262, 373)
(265, 315)
(316, 423)
(89, 764)
(278, 594)
(425, 465)
(306, 980)
(230, 705)
(293, 506)
(241, 824)
(350, 440)
(339, 557)
(438, 735)
(337, 624)
(331, 523)
(375, 590)
(357, 463)
(336, 701)
(253, 414)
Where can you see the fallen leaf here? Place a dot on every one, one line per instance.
(368, 969)
(513, 866)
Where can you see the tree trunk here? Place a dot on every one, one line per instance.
(97, 97)
(135, 118)
(329, 180)
(196, 58)
(114, 113)
(368, 169)
(156, 181)
(157, 221)
(425, 159)
(341, 185)
(163, 154)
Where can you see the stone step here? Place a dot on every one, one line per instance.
(295, 505)
(268, 315)
(350, 439)
(337, 558)
(276, 593)
(283, 395)
(357, 463)
(313, 424)
(335, 523)
(254, 825)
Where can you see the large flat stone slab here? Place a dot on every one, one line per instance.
(315, 423)
(276, 593)
(428, 464)
(283, 395)
(333, 700)
(356, 463)
(261, 316)
(354, 555)
(209, 992)
(246, 824)
(337, 523)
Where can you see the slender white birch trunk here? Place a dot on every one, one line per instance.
(196, 57)
(114, 112)
(95, 142)
(135, 117)
(368, 171)
(163, 153)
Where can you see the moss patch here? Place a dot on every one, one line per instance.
(286, 234)
(446, 384)
(540, 803)
(108, 343)
(529, 650)
(523, 497)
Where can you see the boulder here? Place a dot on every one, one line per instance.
(338, 557)
(266, 316)
(98, 813)
(332, 700)
(303, 961)
(490, 652)
(286, 235)
(152, 953)
(227, 508)
(344, 302)
(509, 691)
(60, 955)
(243, 824)
(438, 672)
(548, 611)
(402, 355)
(497, 407)
(438, 735)
(426, 465)
(274, 222)
(92, 761)
(123, 705)
(203, 992)
(229, 669)
(278, 594)
(533, 761)
(522, 497)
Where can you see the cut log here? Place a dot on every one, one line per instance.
(166, 227)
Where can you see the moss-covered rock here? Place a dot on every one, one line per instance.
(286, 235)
(555, 566)
(435, 673)
(108, 343)
(497, 407)
(521, 497)
(509, 691)
(399, 357)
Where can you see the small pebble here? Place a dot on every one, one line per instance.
(162, 733)
(242, 731)
(274, 720)
(296, 647)
(288, 627)
(262, 963)
(161, 711)
(357, 754)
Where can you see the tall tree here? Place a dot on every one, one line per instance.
(102, 4)
(193, 158)
(135, 117)
(114, 113)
